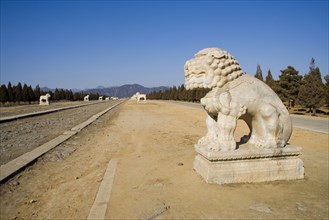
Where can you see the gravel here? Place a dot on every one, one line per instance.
(23, 135)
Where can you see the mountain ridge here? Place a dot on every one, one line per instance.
(126, 90)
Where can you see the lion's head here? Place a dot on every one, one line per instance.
(210, 68)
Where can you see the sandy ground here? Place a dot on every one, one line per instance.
(154, 144)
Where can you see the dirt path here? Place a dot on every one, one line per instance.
(154, 144)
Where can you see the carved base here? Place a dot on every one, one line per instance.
(245, 165)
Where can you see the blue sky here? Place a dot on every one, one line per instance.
(83, 44)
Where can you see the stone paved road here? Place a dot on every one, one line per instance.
(305, 122)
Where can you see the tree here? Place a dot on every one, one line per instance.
(68, 94)
(326, 78)
(311, 92)
(56, 94)
(288, 86)
(31, 94)
(25, 93)
(259, 73)
(11, 96)
(37, 92)
(270, 81)
(18, 92)
(3, 93)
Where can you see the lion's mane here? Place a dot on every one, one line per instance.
(221, 68)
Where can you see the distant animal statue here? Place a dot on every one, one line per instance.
(140, 97)
(235, 95)
(86, 98)
(44, 99)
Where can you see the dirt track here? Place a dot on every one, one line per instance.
(154, 144)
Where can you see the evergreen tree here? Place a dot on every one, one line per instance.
(259, 73)
(3, 93)
(18, 92)
(31, 94)
(11, 96)
(37, 92)
(25, 93)
(311, 92)
(61, 94)
(56, 94)
(288, 86)
(269, 79)
(68, 95)
(326, 78)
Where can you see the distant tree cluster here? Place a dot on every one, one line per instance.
(308, 91)
(179, 94)
(19, 93)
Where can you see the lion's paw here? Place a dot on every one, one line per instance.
(227, 145)
(261, 143)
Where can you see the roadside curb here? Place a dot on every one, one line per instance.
(98, 210)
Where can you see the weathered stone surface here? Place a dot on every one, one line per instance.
(260, 156)
(235, 95)
(44, 99)
(139, 97)
(246, 167)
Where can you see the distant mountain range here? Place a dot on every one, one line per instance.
(125, 90)
(117, 91)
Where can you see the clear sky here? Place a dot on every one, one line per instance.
(83, 44)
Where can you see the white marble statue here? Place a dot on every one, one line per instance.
(44, 99)
(86, 98)
(140, 97)
(235, 95)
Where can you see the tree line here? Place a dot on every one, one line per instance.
(308, 91)
(25, 93)
(179, 93)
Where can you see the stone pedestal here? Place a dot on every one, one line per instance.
(248, 165)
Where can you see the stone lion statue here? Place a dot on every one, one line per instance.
(44, 99)
(235, 95)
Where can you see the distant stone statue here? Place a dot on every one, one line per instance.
(100, 98)
(140, 97)
(262, 155)
(235, 95)
(86, 98)
(44, 99)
